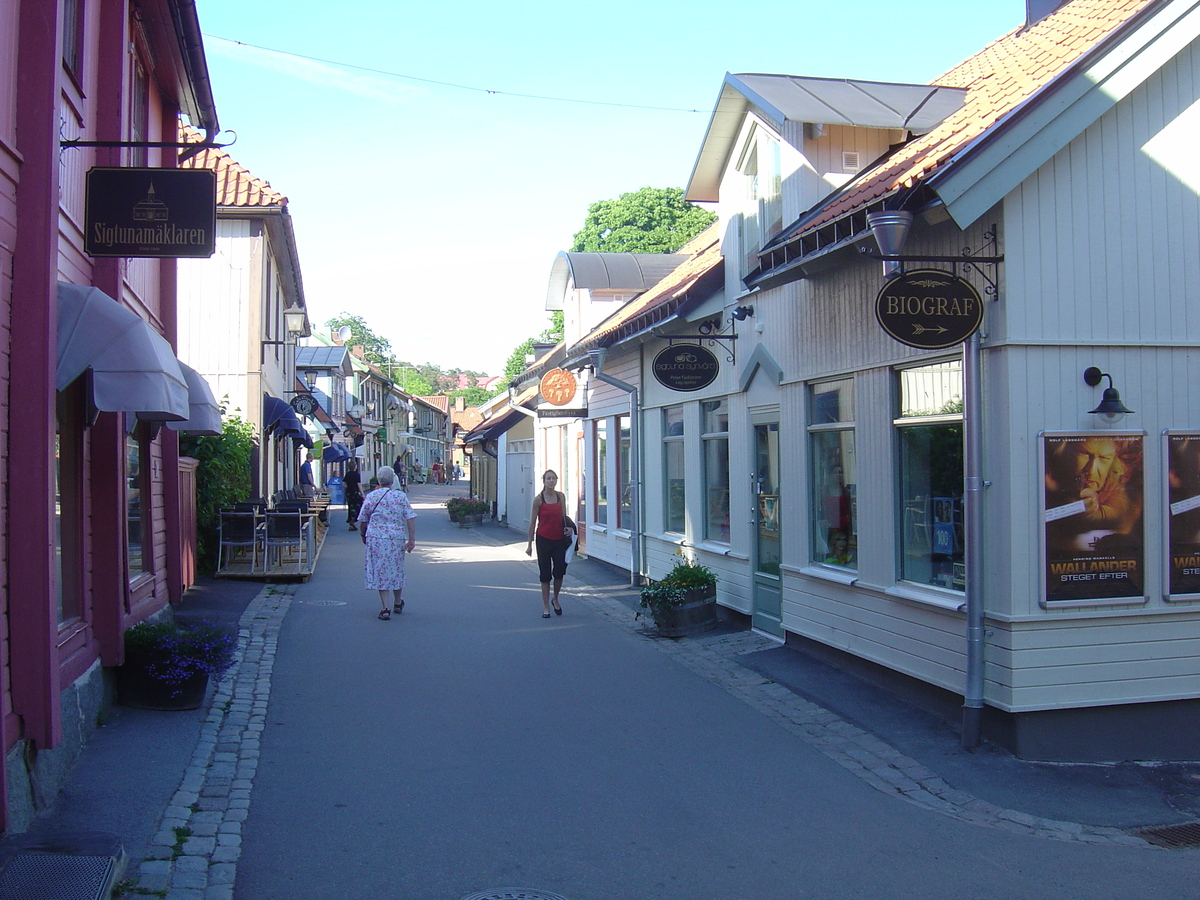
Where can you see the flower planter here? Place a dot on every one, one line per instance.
(466, 521)
(137, 688)
(698, 613)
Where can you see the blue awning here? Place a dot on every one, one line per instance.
(335, 453)
(204, 413)
(280, 418)
(133, 367)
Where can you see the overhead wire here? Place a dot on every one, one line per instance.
(449, 84)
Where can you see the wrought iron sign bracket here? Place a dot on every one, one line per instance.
(967, 259)
(712, 339)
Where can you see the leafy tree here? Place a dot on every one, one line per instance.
(650, 220)
(222, 478)
(474, 395)
(378, 349)
(516, 362)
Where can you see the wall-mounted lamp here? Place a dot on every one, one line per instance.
(742, 312)
(1111, 409)
(708, 326)
(890, 228)
(310, 378)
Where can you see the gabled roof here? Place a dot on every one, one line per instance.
(607, 272)
(999, 79)
(916, 108)
(698, 276)
(321, 357)
(236, 186)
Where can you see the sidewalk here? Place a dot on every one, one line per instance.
(176, 788)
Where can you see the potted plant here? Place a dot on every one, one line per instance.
(467, 510)
(684, 601)
(168, 664)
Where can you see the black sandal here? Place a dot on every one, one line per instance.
(385, 614)
(398, 607)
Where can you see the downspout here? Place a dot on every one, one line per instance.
(973, 495)
(635, 527)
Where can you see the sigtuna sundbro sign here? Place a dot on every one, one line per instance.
(929, 309)
(685, 367)
(160, 213)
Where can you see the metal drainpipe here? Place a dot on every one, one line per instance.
(635, 525)
(973, 493)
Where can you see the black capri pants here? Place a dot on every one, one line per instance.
(552, 558)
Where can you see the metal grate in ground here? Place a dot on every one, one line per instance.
(57, 876)
(514, 894)
(1173, 837)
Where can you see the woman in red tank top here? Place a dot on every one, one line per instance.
(553, 530)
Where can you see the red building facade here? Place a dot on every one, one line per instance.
(89, 517)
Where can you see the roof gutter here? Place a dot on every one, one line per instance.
(187, 29)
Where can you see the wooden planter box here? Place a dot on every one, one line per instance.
(136, 688)
(698, 613)
(470, 519)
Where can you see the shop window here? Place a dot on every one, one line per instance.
(625, 510)
(600, 454)
(834, 478)
(68, 500)
(931, 475)
(674, 507)
(714, 440)
(137, 500)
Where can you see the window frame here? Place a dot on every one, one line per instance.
(923, 519)
(139, 436)
(600, 483)
(715, 439)
(674, 444)
(820, 550)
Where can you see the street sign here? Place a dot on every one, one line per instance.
(929, 309)
(558, 387)
(148, 212)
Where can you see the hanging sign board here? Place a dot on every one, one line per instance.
(929, 309)
(156, 213)
(304, 404)
(558, 387)
(685, 367)
(561, 412)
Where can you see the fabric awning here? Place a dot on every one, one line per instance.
(335, 453)
(281, 418)
(204, 415)
(133, 367)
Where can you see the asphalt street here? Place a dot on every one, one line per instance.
(469, 746)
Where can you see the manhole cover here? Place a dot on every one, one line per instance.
(324, 602)
(515, 894)
(1173, 837)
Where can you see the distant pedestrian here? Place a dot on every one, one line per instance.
(306, 488)
(354, 496)
(554, 532)
(389, 530)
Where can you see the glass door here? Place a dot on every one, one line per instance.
(768, 591)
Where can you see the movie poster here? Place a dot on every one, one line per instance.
(1092, 514)
(1183, 515)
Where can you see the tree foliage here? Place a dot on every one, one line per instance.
(650, 220)
(378, 349)
(222, 479)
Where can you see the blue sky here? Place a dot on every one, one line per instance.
(432, 200)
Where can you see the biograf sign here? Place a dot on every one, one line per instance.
(685, 367)
(1183, 515)
(1092, 517)
(158, 213)
(929, 309)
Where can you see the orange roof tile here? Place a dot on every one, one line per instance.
(236, 187)
(998, 79)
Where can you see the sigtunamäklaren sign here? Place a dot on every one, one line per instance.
(148, 212)
(685, 367)
(929, 309)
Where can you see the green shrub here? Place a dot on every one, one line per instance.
(222, 479)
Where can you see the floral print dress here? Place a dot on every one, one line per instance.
(388, 511)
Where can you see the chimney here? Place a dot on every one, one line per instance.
(1036, 10)
(460, 404)
(336, 338)
(359, 350)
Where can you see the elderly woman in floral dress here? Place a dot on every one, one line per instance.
(389, 529)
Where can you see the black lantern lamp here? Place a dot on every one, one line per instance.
(1111, 409)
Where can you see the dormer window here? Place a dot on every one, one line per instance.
(762, 215)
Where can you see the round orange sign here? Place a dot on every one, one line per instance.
(558, 387)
